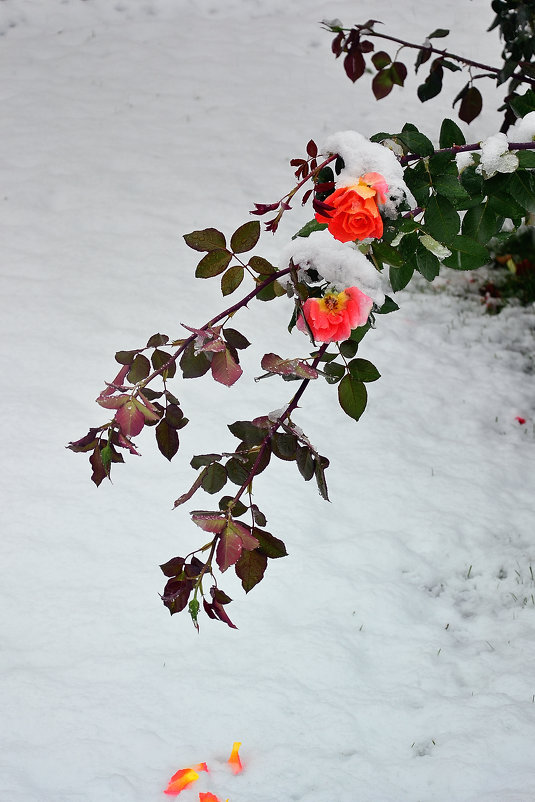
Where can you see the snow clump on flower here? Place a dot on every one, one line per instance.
(340, 264)
(362, 156)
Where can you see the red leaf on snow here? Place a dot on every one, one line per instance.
(228, 550)
(209, 521)
(130, 419)
(225, 369)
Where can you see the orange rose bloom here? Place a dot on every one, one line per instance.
(333, 317)
(355, 215)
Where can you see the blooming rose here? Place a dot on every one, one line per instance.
(355, 215)
(332, 318)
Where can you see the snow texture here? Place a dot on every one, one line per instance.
(341, 264)
(389, 657)
(523, 130)
(496, 157)
(362, 156)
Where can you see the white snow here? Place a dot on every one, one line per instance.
(523, 130)
(496, 157)
(389, 657)
(362, 156)
(341, 264)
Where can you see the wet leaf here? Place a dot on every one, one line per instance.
(245, 237)
(139, 369)
(352, 396)
(209, 239)
(167, 439)
(250, 569)
(225, 369)
(213, 264)
(232, 279)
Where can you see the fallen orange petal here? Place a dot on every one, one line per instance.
(234, 759)
(182, 779)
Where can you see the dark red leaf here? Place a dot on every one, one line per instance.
(471, 105)
(336, 45)
(354, 65)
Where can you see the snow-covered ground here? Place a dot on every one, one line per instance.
(391, 656)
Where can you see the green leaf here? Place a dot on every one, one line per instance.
(237, 507)
(416, 141)
(442, 164)
(284, 446)
(232, 279)
(427, 263)
(348, 348)
(523, 104)
(358, 333)
(160, 358)
(417, 180)
(320, 477)
(271, 546)
(126, 357)
(467, 254)
(247, 432)
(381, 59)
(472, 181)
(309, 227)
(167, 439)
(193, 365)
(235, 339)
(382, 84)
(305, 462)
(213, 263)
(363, 370)
(262, 266)
(352, 396)
(438, 33)
(522, 188)
(250, 568)
(157, 339)
(526, 159)
(214, 478)
(204, 459)
(400, 276)
(209, 239)
(450, 134)
(386, 253)
(140, 369)
(441, 219)
(432, 86)
(174, 416)
(388, 306)
(450, 187)
(245, 237)
(481, 223)
(334, 371)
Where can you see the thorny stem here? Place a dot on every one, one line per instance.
(286, 414)
(468, 62)
(465, 148)
(226, 313)
(265, 443)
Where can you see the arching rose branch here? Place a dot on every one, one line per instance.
(394, 203)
